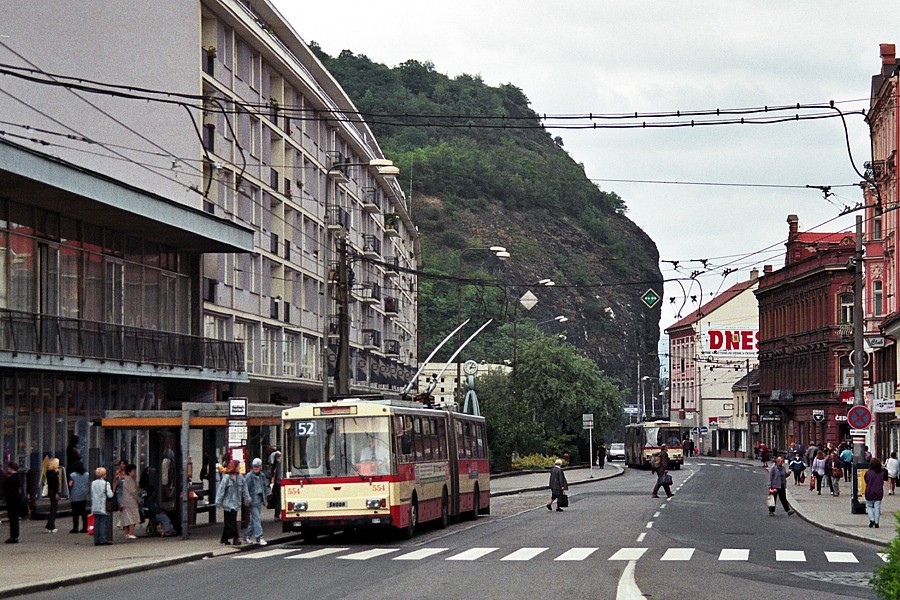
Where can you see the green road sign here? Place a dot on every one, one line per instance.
(650, 298)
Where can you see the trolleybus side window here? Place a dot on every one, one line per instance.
(479, 441)
(419, 444)
(440, 446)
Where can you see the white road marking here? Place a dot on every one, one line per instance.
(577, 553)
(628, 588)
(841, 557)
(266, 554)
(420, 554)
(524, 554)
(473, 554)
(656, 514)
(649, 524)
(317, 553)
(641, 537)
(367, 554)
(734, 554)
(883, 556)
(628, 554)
(790, 556)
(678, 554)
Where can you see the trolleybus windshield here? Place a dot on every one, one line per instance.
(340, 447)
(657, 436)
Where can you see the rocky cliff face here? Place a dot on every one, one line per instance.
(508, 184)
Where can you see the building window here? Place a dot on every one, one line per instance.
(876, 225)
(270, 351)
(846, 309)
(877, 298)
(289, 355)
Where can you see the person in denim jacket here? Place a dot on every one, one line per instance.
(231, 493)
(258, 490)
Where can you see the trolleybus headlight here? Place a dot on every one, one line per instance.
(376, 503)
(297, 506)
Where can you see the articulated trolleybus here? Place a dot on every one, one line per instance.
(642, 441)
(381, 463)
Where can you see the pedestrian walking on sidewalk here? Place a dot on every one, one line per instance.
(258, 489)
(601, 455)
(101, 494)
(79, 491)
(231, 493)
(837, 473)
(797, 467)
(893, 471)
(558, 484)
(764, 455)
(818, 469)
(54, 483)
(874, 479)
(663, 479)
(16, 500)
(777, 486)
(130, 507)
(847, 460)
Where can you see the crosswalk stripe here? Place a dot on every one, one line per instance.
(317, 553)
(678, 554)
(367, 554)
(734, 554)
(420, 554)
(628, 554)
(576, 554)
(266, 554)
(790, 556)
(473, 554)
(841, 557)
(524, 554)
(883, 556)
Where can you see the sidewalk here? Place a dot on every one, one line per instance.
(832, 513)
(43, 561)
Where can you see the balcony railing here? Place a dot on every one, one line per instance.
(60, 336)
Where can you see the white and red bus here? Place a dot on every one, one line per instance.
(642, 441)
(381, 463)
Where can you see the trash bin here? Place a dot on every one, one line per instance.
(192, 508)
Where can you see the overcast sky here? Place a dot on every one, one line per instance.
(616, 57)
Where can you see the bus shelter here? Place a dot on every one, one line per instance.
(171, 440)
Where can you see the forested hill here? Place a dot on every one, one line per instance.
(476, 182)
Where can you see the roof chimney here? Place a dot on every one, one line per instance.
(767, 269)
(888, 54)
(754, 274)
(793, 225)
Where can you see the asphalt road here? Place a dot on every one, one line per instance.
(714, 539)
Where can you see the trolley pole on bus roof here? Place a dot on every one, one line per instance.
(587, 422)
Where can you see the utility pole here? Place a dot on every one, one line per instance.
(342, 379)
(859, 356)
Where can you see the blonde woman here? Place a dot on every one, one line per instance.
(53, 484)
(101, 494)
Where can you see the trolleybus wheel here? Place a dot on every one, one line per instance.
(410, 529)
(476, 504)
(445, 511)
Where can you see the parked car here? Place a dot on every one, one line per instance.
(616, 451)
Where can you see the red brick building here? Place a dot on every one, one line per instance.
(805, 321)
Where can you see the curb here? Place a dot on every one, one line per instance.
(836, 530)
(108, 574)
(544, 487)
(99, 575)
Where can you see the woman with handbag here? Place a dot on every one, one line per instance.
(558, 485)
(777, 487)
(837, 473)
(818, 469)
(101, 504)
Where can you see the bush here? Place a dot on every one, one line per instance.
(886, 580)
(534, 461)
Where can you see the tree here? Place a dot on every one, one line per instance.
(538, 409)
(886, 581)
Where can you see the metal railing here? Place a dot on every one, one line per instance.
(60, 336)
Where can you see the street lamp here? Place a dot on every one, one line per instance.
(337, 172)
(501, 254)
(559, 319)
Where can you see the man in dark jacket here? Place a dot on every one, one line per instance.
(558, 485)
(16, 505)
(661, 471)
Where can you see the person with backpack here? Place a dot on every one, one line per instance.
(16, 500)
(660, 464)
